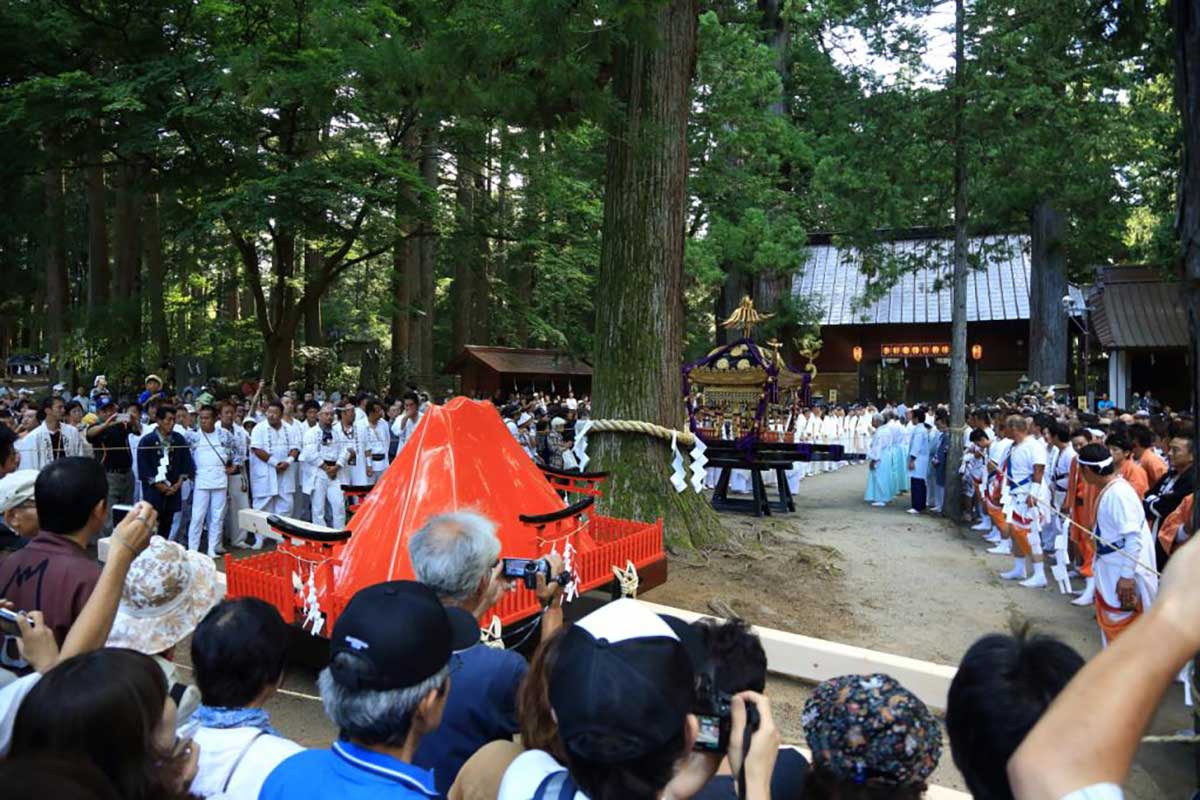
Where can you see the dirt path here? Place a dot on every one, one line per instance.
(880, 578)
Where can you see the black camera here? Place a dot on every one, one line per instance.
(527, 570)
(713, 712)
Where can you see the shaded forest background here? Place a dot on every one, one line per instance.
(248, 181)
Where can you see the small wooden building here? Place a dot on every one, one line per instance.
(895, 344)
(1141, 323)
(483, 371)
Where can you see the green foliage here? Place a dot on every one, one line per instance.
(268, 128)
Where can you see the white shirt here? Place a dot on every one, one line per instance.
(403, 428)
(379, 437)
(265, 481)
(210, 453)
(235, 762)
(1024, 457)
(351, 441)
(526, 773)
(1119, 514)
(11, 697)
(37, 449)
(1060, 471)
(316, 452)
(1097, 791)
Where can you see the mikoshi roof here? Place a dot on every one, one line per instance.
(742, 363)
(997, 285)
(461, 457)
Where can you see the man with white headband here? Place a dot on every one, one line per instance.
(1125, 582)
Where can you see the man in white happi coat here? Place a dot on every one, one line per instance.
(1060, 457)
(271, 455)
(295, 434)
(237, 495)
(212, 455)
(304, 478)
(325, 458)
(404, 425)
(379, 438)
(52, 439)
(183, 519)
(350, 437)
(1125, 583)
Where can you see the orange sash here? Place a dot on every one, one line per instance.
(1114, 629)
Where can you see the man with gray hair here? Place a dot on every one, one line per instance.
(458, 556)
(385, 688)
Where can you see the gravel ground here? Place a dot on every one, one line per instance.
(839, 569)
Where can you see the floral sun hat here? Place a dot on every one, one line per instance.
(167, 592)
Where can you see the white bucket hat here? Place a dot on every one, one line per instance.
(167, 592)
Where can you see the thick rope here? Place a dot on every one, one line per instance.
(685, 438)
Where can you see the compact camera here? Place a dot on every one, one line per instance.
(527, 570)
(713, 713)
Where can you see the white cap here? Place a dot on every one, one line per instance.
(16, 488)
(524, 418)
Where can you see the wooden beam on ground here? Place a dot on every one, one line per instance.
(815, 660)
(255, 521)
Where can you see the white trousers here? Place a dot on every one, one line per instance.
(208, 505)
(235, 501)
(280, 504)
(327, 489)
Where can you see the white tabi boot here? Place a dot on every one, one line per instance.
(1002, 549)
(1017, 573)
(1038, 579)
(993, 537)
(1088, 595)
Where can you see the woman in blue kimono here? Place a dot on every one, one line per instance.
(879, 480)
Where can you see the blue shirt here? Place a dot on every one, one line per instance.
(918, 451)
(346, 770)
(481, 707)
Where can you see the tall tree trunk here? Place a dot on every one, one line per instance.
(155, 276)
(229, 293)
(406, 259)
(1185, 19)
(314, 330)
(1047, 285)
(958, 311)
(639, 303)
(465, 272)
(127, 278)
(100, 276)
(430, 173)
(56, 262)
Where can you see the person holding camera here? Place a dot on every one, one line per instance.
(623, 690)
(110, 440)
(458, 556)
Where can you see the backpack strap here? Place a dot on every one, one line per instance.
(556, 786)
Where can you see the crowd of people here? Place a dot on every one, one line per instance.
(1107, 496)
(622, 703)
(200, 457)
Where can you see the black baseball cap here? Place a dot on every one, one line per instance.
(623, 682)
(399, 634)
